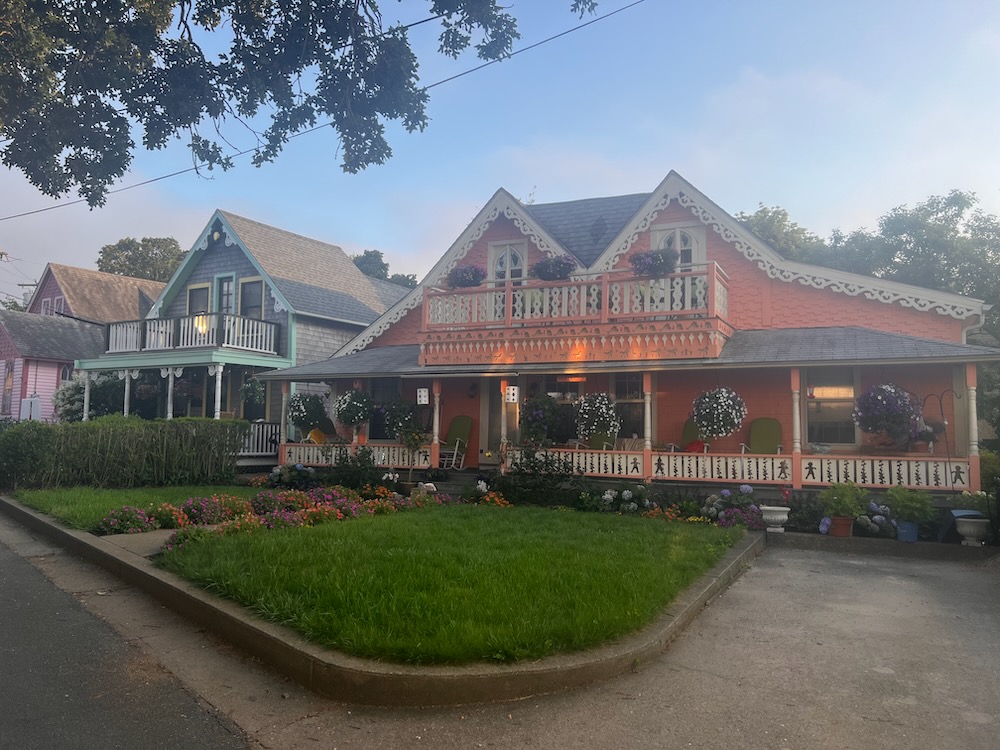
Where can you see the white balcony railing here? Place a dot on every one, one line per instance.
(697, 292)
(193, 331)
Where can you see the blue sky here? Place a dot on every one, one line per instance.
(837, 112)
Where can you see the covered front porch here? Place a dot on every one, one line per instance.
(811, 402)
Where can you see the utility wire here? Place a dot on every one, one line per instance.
(246, 151)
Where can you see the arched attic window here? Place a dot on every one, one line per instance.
(689, 242)
(506, 262)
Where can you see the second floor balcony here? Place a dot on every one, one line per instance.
(614, 315)
(202, 330)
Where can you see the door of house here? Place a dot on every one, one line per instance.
(491, 409)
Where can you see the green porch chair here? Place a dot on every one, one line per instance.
(764, 437)
(689, 436)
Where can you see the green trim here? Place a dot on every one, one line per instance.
(182, 358)
(293, 340)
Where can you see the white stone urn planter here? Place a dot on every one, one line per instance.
(775, 516)
(973, 530)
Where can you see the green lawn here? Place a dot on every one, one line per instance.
(84, 507)
(459, 584)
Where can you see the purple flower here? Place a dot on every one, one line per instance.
(726, 493)
(824, 526)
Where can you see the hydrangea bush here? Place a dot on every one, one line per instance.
(718, 413)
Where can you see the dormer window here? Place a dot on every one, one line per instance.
(688, 241)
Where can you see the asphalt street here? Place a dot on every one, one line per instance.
(68, 680)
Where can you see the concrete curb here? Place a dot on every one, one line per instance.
(354, 680)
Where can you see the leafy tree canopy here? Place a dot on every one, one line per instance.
(76, 77)
(372, 263)
(774, 227)
(154, 258)
(11, 303)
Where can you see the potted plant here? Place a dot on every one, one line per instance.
(555, 268)
(889, 412)
(842, 502)
(596, 415)
(718, 413)
(654, 262)
(466, 275)
(975, 529)
(776, 514)
(910, 508)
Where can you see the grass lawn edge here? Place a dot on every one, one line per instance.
(357, 680)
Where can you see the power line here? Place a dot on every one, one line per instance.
(244, 152)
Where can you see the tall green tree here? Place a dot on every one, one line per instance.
(154, 258)
(773, 226)
(75, 77)
(11, 303)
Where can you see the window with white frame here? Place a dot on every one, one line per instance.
(829, 403)
(57, 305)
(65, 374)
(687, 240)
(47, 306)
(507, 261)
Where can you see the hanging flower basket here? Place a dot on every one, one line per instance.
(596, 415)
(353, 408)
(306, 410)
(252, 391)
(553, 269)
(654, 262)
(718, 413)
(887, 408)
(466, 275)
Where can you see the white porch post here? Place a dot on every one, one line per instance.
(86, 395)
(127, 375)
(169, 373)
(217, 371)
(796, 412)
(647, 420)
(973, 421)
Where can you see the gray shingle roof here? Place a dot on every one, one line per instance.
(52, 338)
(315, 277)
(586, 227)
(782, 348)
(104, 297)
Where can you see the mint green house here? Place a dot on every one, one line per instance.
(247, 298)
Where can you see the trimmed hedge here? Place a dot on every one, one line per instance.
(118, 451)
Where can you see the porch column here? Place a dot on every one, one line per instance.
(86, 395)
(503, 417)
(127, 375)
(170, 373)
(283, 421)
(796, 383)
(217, 371)
(975, 483)
(647, 425)
(436, 424)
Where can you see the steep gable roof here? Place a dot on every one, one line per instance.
(51, 337)
(314, 277)
(103, 297)
(585, 227)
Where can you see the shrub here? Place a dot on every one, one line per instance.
(351, 470)
(26, 453)
(989, 471)
(910, 505)
(169, 516)
(205, 511)
(539, 478)
(293, 476)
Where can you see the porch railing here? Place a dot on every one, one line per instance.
(927, 472)
(698, 292)
(193, 331)
(262, 440)
(385, 455)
